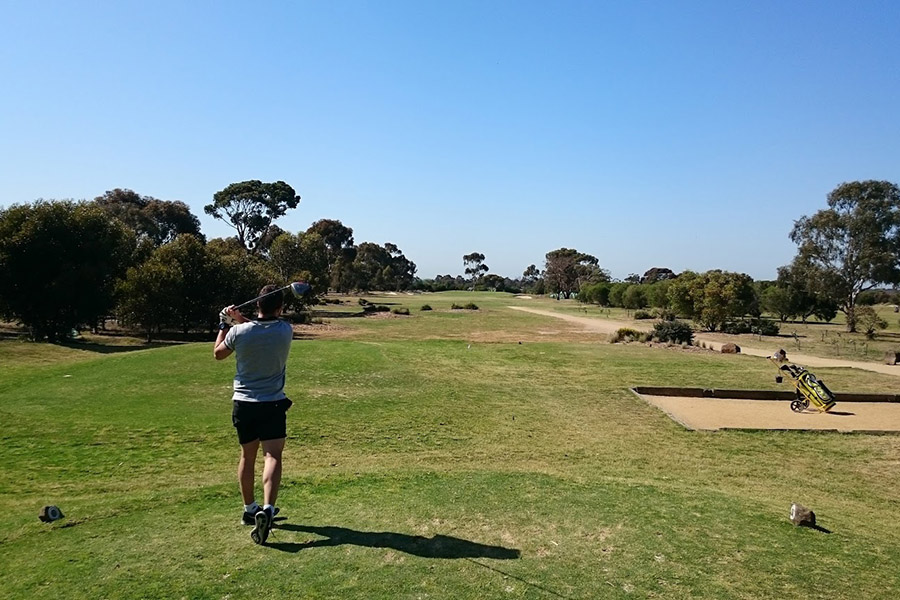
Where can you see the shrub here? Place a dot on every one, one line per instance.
(299, 318)
(642, 314)
(363, 302)
(736, 327)
(456, 306)
(765, 327)
(382, 308)
(400, 310)
(425, 307)
(626, 334)
(471, 306)
(665, 314)
(677, 332)
(869, 321)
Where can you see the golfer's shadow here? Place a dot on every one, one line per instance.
(438, 546)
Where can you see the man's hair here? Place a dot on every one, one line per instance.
(270, 304)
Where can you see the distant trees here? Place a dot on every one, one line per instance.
(340, 251)
(852, 245)
(567, 269)
(474, 266)
(301, 257)
(381, 268)
(157, 221)
(59, 263)
(657, 274)
(250, 207)
(712, 298)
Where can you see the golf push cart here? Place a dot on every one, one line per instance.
(808, 388)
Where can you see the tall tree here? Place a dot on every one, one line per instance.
(59, 264)
(341, 250)
(853, 245)
(567, 269)
(250, 207)
(303, 256)
(474, 266)
(159, 221)
(403, 270)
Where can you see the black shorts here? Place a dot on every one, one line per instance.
(260, 420)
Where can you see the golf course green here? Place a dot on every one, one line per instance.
(486, 453)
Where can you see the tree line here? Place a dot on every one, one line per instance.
(67, 265)
(844, 252)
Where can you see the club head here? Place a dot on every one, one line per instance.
(299, 288)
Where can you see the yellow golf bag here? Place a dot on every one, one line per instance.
(809, 389)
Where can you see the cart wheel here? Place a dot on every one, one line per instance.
(797, 405)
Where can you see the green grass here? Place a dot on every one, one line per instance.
(433, 456)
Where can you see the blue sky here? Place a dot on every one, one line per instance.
(680, 134)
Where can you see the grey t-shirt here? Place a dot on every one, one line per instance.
(261, 348)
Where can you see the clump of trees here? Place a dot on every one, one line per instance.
(66, 265)
(851, 246)
(59, 264)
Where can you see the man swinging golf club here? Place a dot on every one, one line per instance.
(261, 348)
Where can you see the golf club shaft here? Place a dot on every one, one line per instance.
(249, 302)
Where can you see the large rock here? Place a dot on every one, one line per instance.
(891, 358)
(730, 348)
(800, 515)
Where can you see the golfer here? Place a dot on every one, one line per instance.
(261, 348)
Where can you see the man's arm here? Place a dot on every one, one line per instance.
(220, 350)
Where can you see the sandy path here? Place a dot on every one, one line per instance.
(721, 413)
(610, 326)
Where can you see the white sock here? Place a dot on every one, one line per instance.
(269, 508)
(251, 508)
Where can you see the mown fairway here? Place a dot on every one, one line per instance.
(432, 456)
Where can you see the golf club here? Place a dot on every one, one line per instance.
(298, 288)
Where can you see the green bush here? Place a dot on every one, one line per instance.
(299, 318)
(471, 306)
(642, 314)
(425, 307)
(626, 334)
(665, 314)
(400, 310)
(765, 327)
(456, 306)
(382, 308)
(736, 327)
(677, 332)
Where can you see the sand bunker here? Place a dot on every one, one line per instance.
(730, 413)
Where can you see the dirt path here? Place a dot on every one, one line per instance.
(610, 326)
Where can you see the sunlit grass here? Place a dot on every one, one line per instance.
(433, 455)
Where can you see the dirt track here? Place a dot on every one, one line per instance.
(610, 326)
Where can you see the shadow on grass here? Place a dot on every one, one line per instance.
(438, 546)
(115, 349)
(337, 314)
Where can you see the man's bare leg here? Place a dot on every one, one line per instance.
(246, 471)
(272, 450)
